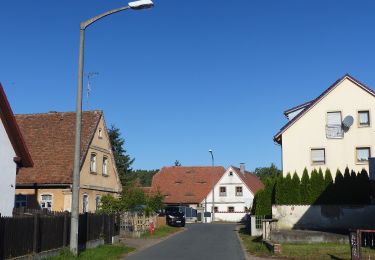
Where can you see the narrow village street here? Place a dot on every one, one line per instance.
(199, 241)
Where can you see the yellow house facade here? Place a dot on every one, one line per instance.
(335, 130)
(51, 138)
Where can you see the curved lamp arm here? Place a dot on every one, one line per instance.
(92, 20)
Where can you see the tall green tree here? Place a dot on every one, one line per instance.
(267, 172)
(122, 159)
(296, 183)
(305, 188)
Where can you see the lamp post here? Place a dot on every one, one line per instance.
(141, 4)
(212, 186)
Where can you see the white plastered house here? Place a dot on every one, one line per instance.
(335, 130)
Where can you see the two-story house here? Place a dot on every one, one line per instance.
(335, 130)
(50, 138)
(14, 155)
(233, 194)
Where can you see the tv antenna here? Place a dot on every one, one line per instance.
(89, 75)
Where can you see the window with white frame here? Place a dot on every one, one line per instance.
(318, 156)
(93, 162)
(223, 191)
(239, 191)
(364, 118)
(230, 209)
(46, 201)
(85, 203)
(105, 166)
(20, 201)
(97, 202)
(362, 154)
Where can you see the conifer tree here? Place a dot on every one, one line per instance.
(314, 181)
(328, 183)
(338, 190)
(279, 191)
(305, 188)
(288, 190)
(296, 183)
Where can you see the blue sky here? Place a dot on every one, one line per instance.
(186, 76)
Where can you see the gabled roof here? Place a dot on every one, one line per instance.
(50, 138)
(250, 179)
(14, 134)
(180, 184)
(278, 137)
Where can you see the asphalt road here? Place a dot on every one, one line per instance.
(199, 241)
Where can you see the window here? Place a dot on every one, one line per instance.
(318, 156)
(216, 209)
(246, 209)
(364, 118)
(20, 201)
(85, 203)
(105, 166)
(230, 173)
(334, 126)
(100, 133)
(46, 202)
(334, 118)
(230, 209)
(93, 163)
(223, 191)
(362, 154)
(238, 191)
(97, 202)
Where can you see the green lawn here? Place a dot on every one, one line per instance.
(161, 232)
(110, 252)
(319, 251)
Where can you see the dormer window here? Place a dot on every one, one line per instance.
(100, 133)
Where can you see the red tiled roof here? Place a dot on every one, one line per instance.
(278, 137)
(50, 139)
(13, 132)
(250, 179)
(180, 184)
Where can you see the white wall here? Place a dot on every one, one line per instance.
(7, 174)
(324, 217)
(309, 132)
(230, 200)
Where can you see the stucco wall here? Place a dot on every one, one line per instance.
(101, 147)
(309, 132)
(324, 217)
(7, 173)
(230, 217)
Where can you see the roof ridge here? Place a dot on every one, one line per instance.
(57, 112)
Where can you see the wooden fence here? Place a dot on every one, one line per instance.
(25, 235)
(133, 224)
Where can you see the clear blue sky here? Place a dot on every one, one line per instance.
(187, 76)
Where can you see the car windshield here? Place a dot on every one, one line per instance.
(172, 209)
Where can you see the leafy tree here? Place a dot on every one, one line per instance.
(305, 188)
(122, 160)
(132, 198)
(267, 172)
(139, 178)
(177, 163)
(109, 204)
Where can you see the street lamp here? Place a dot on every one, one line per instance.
(212, 186)
(141, 4)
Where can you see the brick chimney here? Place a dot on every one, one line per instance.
(242, 168)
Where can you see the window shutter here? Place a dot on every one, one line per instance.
(334, 118)
(317, 155)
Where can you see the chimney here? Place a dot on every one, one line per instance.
(242, 168)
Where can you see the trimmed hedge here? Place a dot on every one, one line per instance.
(316, 188)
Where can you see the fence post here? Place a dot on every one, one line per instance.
(65, 231)
(2, 238)
(36, 241)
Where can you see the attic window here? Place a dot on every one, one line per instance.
(189, 194)
(201, 182)
(100, 133)
(178, 182)
(230, 173)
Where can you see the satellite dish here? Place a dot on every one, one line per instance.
(348, 121)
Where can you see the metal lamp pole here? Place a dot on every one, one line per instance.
(213, 186)
(141, 4)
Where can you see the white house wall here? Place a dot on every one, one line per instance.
(230, 200)
(309, 132)
(7, 173)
